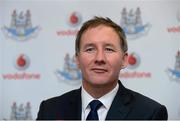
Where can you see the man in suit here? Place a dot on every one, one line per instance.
(101, 52)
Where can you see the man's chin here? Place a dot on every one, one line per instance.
(100, 82)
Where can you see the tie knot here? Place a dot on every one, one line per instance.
(95, 105)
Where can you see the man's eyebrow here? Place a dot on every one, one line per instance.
(109, 44)
(88, 45)
(92, 44)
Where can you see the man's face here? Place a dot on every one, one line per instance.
(100, 58)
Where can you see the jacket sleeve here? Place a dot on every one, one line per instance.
(160, 113)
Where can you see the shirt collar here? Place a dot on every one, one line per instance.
(107, 99)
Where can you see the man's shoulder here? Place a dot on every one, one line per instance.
(64, 97)
(138, 105)
(143, 101)
(59, 107)
(135, 98)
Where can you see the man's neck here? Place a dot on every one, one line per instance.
(97, 91)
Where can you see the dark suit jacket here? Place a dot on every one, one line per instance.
(127, 105)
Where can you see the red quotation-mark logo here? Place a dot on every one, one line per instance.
(74, 19)
(22, 62)
(133, 60)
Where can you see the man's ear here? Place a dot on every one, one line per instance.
(125, 61)
(77, 60)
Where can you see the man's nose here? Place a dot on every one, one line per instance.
(100, 57)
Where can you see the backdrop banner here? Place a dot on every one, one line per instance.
(37, 50)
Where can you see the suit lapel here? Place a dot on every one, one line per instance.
(119, 108)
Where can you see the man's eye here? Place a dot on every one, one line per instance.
(109, 49)
(89, 49)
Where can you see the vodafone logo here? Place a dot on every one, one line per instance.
(22, 62)
(133, 60)
(133, 72)
(74, 19)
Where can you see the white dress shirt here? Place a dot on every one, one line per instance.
(106, 100)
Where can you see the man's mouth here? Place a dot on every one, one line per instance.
(99, 70)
